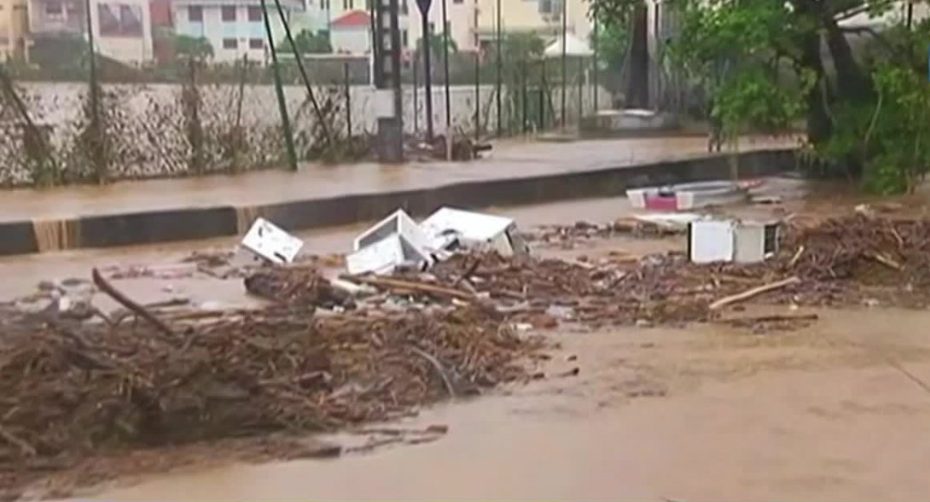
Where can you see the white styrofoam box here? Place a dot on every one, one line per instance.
(271, 243)
(710, 241)
(384, 256)
(399, 223)
(472, 229)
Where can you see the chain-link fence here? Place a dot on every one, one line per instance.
(64, 124)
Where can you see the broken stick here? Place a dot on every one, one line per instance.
(125, 301)
(745, 295)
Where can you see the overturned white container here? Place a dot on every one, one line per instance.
(392, 242)
(400, 223)
(271, 243)
(712, 241)
(473, 230)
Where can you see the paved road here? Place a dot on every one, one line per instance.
(508, 160)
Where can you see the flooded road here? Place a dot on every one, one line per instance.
(655, 414)
(833, 411)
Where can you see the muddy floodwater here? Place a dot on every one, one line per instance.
(837, 410)
(830, 412)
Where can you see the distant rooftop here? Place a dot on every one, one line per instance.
(352, 19)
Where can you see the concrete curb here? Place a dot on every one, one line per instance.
(174, 225)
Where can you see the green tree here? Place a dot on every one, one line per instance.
(197, 48)
(308, 42)
(765, 63)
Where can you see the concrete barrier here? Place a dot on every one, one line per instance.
(185, 224)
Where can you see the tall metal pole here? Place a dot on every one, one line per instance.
(416, 99)
(303, 71)
(500, 62)
(477, 95)
(564, 55)
(96, 128)
(279, 91)
(427, 74)
(524, 98)
(543, 89)
(445, 70)
(348, 91)
(596, 62)
(92, 59)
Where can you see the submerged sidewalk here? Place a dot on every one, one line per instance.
(139, 212)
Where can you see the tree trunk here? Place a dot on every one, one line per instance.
(852, 82)
(819, 125)
(637, 93)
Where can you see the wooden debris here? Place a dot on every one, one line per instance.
(745, 295)
(125, 301)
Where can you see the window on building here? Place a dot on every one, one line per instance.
(118, 20)
(255, 14)
(324, 4)
(404, 38)
(228, 13)
(256, 43)
(348, 4)
(458, 1)
(195, 14)
(53, 8)
(403, 8)
(230, 43)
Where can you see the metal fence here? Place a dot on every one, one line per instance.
(98, 121)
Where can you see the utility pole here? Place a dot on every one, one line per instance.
(388, 98)
(424, 6)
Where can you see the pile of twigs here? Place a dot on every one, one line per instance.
(68, 390)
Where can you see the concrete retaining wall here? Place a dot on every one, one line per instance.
(202, 223)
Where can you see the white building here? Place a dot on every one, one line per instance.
(235, 27)
(122, 29)
(543, 17)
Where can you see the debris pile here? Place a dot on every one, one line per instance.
(869, 250)
(836, 262)
(69, 388)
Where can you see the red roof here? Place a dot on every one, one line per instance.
(353, 19)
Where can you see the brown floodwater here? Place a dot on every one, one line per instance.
(824, 413)
(832, 411)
